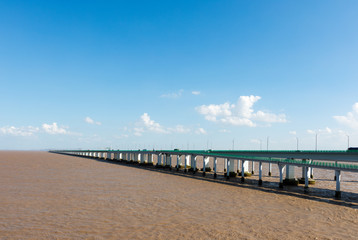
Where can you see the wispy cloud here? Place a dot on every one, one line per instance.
(351, 118)
(326, 130)
(224, 131)
(19, 131)
(195, 92)
(200, 131)
(173, 95)
(240, 114)
(91, 121)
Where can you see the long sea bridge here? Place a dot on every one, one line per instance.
(337, 161)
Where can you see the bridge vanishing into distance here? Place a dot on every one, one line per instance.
(337, 161)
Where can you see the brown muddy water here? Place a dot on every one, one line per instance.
(51, 196)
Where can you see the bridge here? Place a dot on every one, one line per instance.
(337, 161)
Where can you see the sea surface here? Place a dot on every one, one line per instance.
(51, 196)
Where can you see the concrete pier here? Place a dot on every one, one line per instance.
(206, 166)
(270, 169)
(281, 168)
(338, 183)
(215, 166)
(228, 163)
(231, 168)
(260, 173)
(244, 167)
(290, 176)
(186, 163)
(178, 162)
(150, 159)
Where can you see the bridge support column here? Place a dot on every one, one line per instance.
(206, 161)
(231, 168)
(243, 168)
(150, 159)
(168, 161)
(338, 183)
(215, 166)
(193, 163)
(270, 169)
(281, 168)
(253, 168)
(306, 172)
(159, 159)
(143, 156)
(186, 162)
(178, 162)
(195, 158)
(290, 176)
(311, 168)
(228, 168)
(260, 173)
(109, 156)
(238, 167)
(306, 169)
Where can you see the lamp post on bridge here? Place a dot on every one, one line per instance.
(348, 140)
(316, 140)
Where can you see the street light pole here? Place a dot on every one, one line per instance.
(297, 143)
(316, 140)
(267, 143)
(348, 140)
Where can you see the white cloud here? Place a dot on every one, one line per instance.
(179, 129)
(241, 114)
(256, 141)
(327, 130)
(138, 131)
(54, 129)
(292, 132)
(173, 95)
(195, 92)
(19, 131)
(152, 125)
(351, 119)
(200, 131)
(146, 124)
(224, 131)
(91, 121)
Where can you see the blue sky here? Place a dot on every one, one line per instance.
(184, 74)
